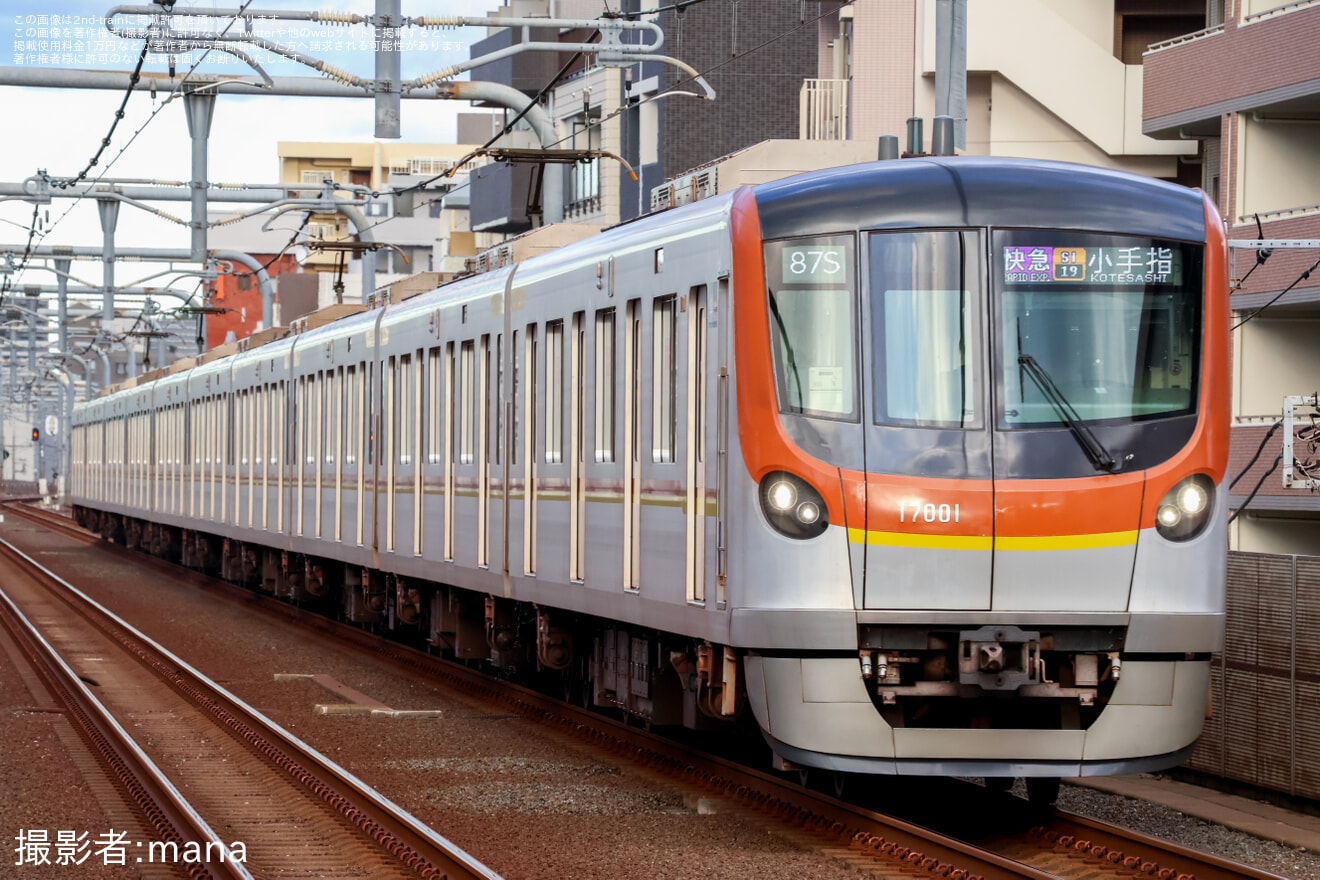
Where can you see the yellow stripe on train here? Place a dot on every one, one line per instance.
(985, 542)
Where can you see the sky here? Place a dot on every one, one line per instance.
(59, 130)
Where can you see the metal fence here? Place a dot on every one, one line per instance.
(1265, 686)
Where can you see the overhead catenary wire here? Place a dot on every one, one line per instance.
(1261, 482)
(1300, 278)
(174, 93)
(670, 90)
(1259, 450)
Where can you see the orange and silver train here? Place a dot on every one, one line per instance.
(921, 462)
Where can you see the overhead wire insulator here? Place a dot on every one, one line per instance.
(335, 73)
(433, 78)
(332, 17)
(441, 21)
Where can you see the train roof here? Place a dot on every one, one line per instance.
(978, 191)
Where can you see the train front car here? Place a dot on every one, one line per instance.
(984, 406)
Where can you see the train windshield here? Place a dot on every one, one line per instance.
(813, 325)
(1094, 328)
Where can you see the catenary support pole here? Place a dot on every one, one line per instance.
(109, 211)
(389, 71)
(199, 107)
(62, 267)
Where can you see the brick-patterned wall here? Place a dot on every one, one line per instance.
(757, 88)
(1243, 60)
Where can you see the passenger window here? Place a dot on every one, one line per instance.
(468, 380)
(554, 401)
(605, 385)
(664, 378)
(925, 287)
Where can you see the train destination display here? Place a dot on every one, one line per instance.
(1035, 264)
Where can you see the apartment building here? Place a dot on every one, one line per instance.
(1245, 88)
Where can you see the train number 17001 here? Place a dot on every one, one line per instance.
(917, 511)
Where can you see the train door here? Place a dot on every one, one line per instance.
(661, 542)
(930, 494)
(695, 451)
(403, 400)
(431, 469)
(492, 490)
(351, 467)
(603, 472)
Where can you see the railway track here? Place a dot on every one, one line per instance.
(1016, 841)
(285, 809)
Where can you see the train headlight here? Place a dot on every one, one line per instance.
(781, 496)
(792, 507)
(1185, 509)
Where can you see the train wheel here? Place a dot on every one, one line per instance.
(1043, 791)
(999, 783)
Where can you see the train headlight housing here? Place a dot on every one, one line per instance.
(792, 507)
(1185, 509)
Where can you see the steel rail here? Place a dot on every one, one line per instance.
(162, 805)
(1124, 849)
(394, 828)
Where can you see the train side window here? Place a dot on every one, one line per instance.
(434, 400)
(403, 396)
(925, 291)
(369, 410)
(577, 387)
(606, 389)
(513, 433)
(664, 378)
(467, 396)
(353, 413)
(227, 414)
(554, 400)
(497, 403)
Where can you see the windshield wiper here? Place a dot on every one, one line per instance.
(1094, 449)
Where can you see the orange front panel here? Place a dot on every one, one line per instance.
(765, 445)
(1086, 506)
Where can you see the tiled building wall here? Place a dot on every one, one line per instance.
(755, 54)
(884, 64)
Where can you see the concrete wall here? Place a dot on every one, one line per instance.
(1274, 357)
(1277, 167)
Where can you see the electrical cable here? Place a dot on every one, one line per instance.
(174, 93)
(27, 253)
(676, 7)
(1300, 278)
(1259, 483)
(1259, 450)
(133, 80)
(653, 97)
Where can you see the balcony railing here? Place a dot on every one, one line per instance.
(1185, 38)
(823, 110)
